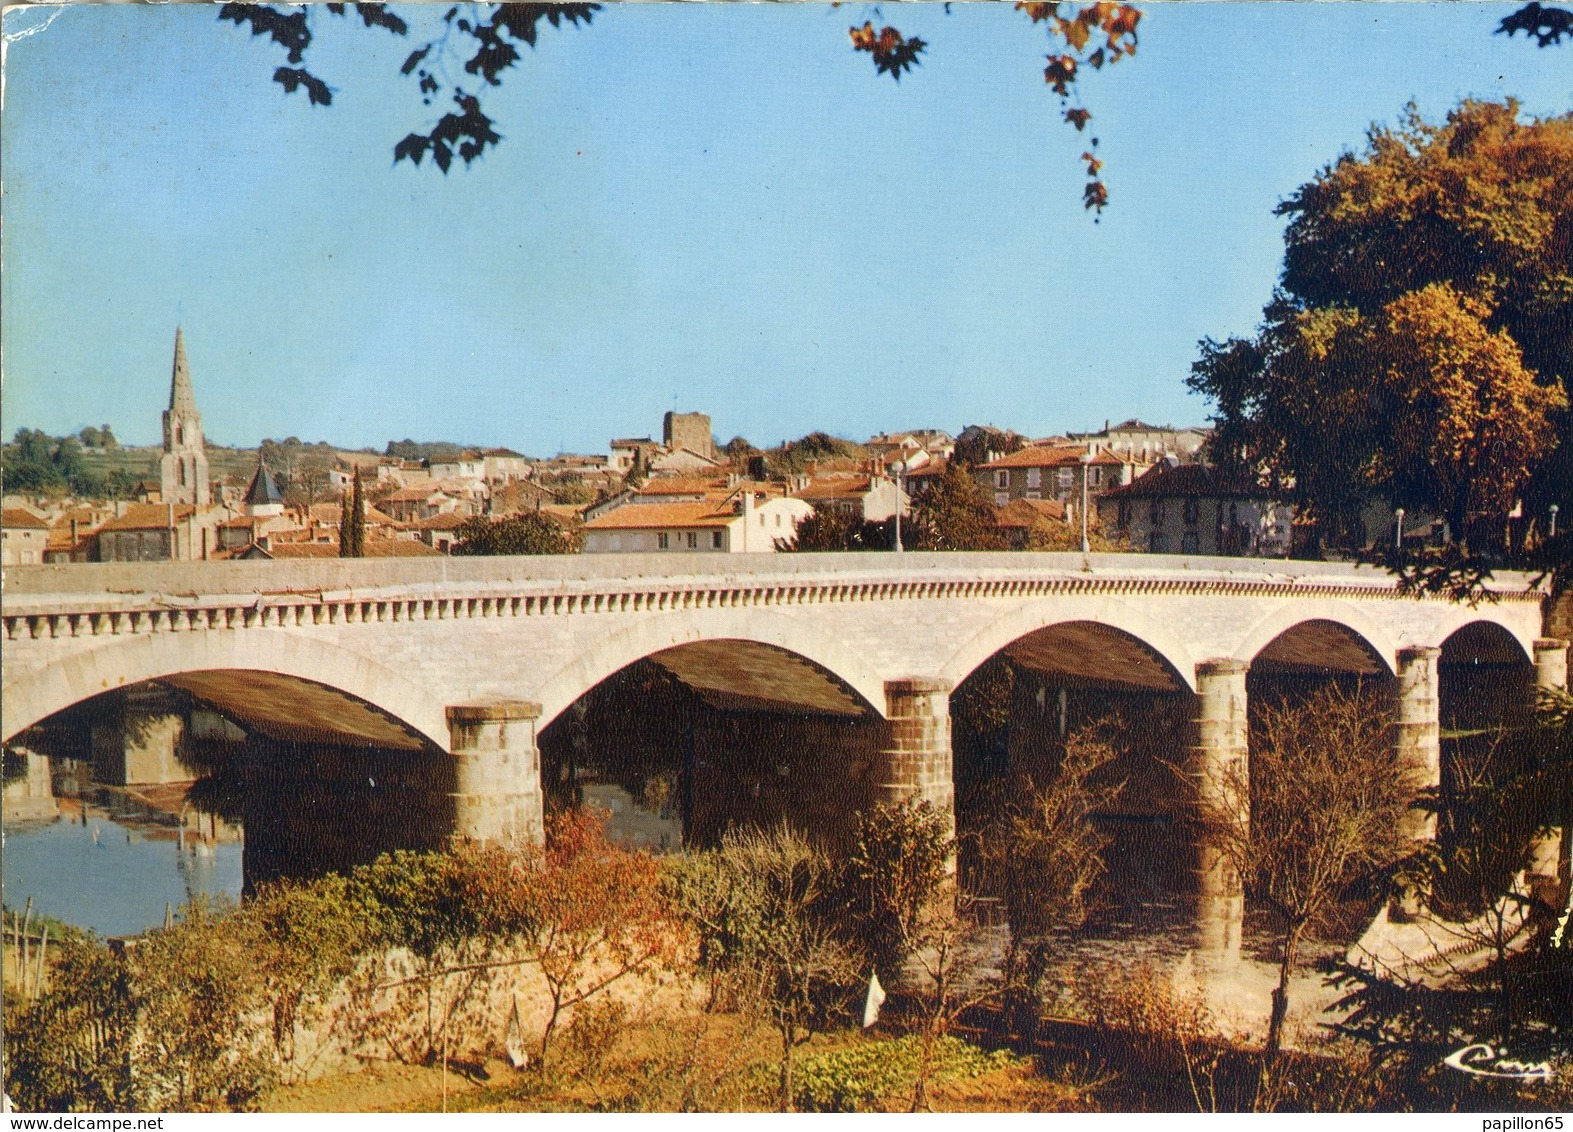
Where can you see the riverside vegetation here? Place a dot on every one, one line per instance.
(734, 978)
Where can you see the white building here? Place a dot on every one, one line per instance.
(742, 522)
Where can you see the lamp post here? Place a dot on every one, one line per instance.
(1086, 465)
(1398, 535)
(900, 468)
(1554, 510)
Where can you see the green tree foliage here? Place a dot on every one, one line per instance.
(352, 521)
(455, 914)
(954, 513)
(71, 1049)
(305, 940)
(793, 457)
(1417, 350)
(891, 872)
(763, 908)
(526, 533)
(196, 987)
(977, 444)
(37, 463)
(408, 449)
(833, 529)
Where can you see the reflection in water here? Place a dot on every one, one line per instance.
(113, 876)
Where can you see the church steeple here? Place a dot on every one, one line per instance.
(183, 469)
(181, 399)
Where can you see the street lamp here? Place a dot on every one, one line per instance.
(900, 468)
(1086, 463)
(1554, 510)
(1398, 536)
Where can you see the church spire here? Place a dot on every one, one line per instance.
(182, 401)
(183, 469)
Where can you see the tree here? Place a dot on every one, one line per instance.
(795, 456)
(352, 522)
(1082, 37)
(1041, 854)
(526, 533)
(1417, 349)
(890, 874)
(595, 915)
(954, 514)
(1326, 801)
(978, 444)
(1543, 23)
(833, 529)
(761, 905)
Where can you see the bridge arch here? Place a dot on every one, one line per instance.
(757, 626)
(1123, 620)
(1345, 616)
(42, 692)
(1482, 641)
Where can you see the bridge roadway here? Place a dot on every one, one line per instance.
(475, 655)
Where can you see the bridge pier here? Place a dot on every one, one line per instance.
(1417, 725)
(1220, 769)
(1551, 663)
(1547, 870)
(497, 772)
(916, 764)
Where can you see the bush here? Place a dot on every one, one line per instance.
(71, 1048)
(196, 987)
(860, 1079)
(894, 869)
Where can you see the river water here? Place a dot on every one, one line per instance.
(100, 859)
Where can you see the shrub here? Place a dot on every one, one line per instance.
(71, 1048)
(892, 873)
(862, 1078)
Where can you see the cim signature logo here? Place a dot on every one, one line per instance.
(1485, 1060)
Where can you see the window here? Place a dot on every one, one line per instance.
(1094, 477)
(715, 538)
(1063, 478)
(1125, 514)
(1193, 511)
(1002, 479)
(1157, 543)
(693, 540)
(663, 541)
(1001, 498)
(1035, 495)
(1190, 543)
(1034, 478)
(1155, 511)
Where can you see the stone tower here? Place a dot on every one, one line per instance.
(183, 469)
(690, 431)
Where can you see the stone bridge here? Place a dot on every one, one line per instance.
(476, 656)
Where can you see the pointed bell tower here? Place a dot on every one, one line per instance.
(183, 469)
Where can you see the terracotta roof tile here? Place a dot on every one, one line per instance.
(149, 517)
(1050, 456)
(650, 516)
(20, 518)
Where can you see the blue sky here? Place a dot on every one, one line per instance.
(715, 207)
